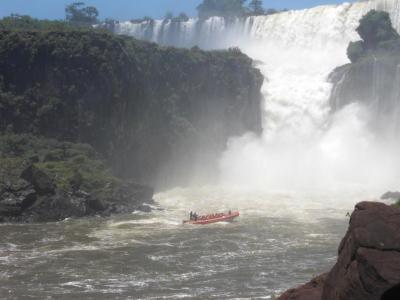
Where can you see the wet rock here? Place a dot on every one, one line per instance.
(56, 207)
(144, 208)
(9, 206)
(39, 179)
(35, 198)
(309, 291)
(95, 204)
(15, 198)
(368, 265)
(128, 197)
(369, 255)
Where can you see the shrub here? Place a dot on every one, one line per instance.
(355, 51)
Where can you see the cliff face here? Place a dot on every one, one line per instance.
(368, 265)
(374, 81)
(147, 109)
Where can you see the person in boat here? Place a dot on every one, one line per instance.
(195, 216)
(230, 212)
(191, 216)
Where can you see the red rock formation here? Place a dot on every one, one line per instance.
(309, 291)
(368, 266)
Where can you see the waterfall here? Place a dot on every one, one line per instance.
(303, 145)
(310, 27)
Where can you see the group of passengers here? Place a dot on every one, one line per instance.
(194, 216)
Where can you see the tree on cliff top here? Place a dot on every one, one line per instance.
(376, 27)
(79, 14)
(221, 8)
(256, 7)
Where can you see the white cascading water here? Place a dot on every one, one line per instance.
(303, 146)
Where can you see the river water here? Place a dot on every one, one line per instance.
(279, 241)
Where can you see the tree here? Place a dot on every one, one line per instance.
(110, 24)
(376, 27)
(183, 17)
(221, 8)
(169, 16)
(80, 14)
(18, 22)
(256, 7)
(271, 11)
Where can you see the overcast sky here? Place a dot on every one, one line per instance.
(131, 9)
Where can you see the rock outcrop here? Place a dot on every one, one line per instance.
(46, 180)
(35, 198)
(373, 81)
(309, 291)
(368, 265)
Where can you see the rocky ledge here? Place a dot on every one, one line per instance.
(34, 197)
(368, 265)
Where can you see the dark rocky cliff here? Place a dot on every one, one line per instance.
(373, 77)
(374, 81)
(368, 265)
(149, 110)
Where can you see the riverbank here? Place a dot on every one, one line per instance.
(43, 180)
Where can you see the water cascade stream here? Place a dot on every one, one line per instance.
(303, 145)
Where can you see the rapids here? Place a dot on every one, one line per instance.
(281, 240)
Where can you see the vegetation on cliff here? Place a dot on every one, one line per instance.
(233, 8)
(47, 180)
(142, 106)
(72, 166)
(377, 33)
(78, 16)
(23, 22)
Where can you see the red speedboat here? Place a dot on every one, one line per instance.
(214, 218)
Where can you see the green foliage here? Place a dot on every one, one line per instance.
(169, 16)
(256, 7)
(133, 101)
(222, 8)
(144, 19)
(182, 18)
(18, 22)
(271, 11)
(79, 14)
(355, 51)
(233, 8)
(376, 27)
(70, 165)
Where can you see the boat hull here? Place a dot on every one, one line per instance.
(224, 218)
